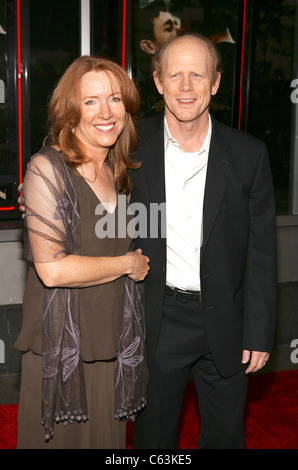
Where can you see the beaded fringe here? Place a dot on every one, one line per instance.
(129, 414)
(66, 419)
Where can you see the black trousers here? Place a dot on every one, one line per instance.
(183, 348)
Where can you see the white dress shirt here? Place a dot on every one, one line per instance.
(185, 176)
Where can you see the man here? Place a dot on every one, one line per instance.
(211, 289)
(165, 28)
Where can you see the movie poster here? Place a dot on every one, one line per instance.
(157, 21)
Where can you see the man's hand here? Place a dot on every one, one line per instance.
(256, 360)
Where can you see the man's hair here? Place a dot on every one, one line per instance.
(211, 47)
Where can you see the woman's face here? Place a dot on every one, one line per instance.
(102, 111)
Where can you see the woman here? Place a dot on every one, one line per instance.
(78, 329)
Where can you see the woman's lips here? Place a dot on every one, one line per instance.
(105, 127)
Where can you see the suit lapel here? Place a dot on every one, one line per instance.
(152, 154)
(218, 171)
(153, 162)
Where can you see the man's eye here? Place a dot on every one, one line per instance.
(196, 76)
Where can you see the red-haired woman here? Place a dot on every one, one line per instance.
(83, 355)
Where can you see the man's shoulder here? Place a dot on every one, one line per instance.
(149, 126)
(235, 136)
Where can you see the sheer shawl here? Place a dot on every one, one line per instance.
(52, 231)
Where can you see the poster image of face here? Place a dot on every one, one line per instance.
(159, 21)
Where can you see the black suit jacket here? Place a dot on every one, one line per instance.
(238, 255)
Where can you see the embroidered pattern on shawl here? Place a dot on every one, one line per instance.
(52, 224)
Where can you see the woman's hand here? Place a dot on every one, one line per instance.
(21, 200)
(86, 271)
(138, 265)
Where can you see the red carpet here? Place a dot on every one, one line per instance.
(271, 416)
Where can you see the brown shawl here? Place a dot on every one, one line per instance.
(52, 223)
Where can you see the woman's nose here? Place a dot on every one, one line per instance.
(105, 111)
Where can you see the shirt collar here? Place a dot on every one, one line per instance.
(168, 139)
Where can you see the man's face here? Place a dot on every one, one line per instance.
(165, 27)
(186, 82)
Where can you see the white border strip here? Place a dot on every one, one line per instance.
(85, 27)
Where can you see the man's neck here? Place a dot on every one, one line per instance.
(191, 134)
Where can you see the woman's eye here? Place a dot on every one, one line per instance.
(116, 99)
(90, 102)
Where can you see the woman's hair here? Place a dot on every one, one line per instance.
(214, 54)
(65, 115)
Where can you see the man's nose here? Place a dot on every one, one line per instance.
(186, 83)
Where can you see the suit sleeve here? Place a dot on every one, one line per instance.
(260, 274)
